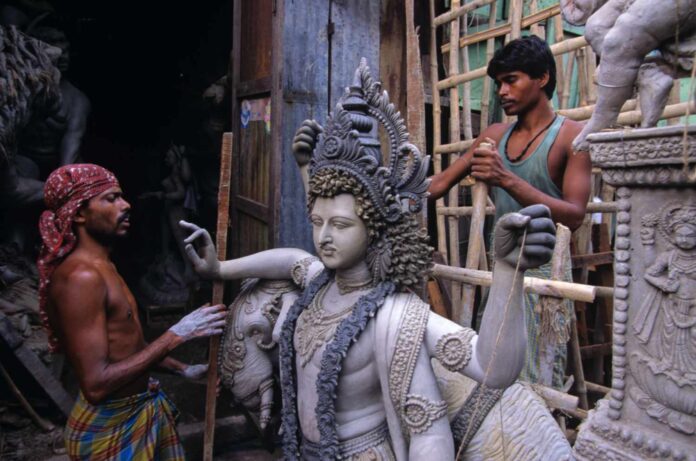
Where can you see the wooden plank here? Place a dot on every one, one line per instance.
(256, 36)
(223, 219)
(593, 259)
(36, 368)
(462, 210)
(594, 350)
(301, 83)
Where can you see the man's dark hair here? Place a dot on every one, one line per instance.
(530, 55)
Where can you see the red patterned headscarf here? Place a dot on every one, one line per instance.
(65, 191)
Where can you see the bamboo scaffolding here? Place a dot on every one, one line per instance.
(461, 11)
(584, 113)
(556, 49)
(505, 29)
(437, 129)
(569, 76)
(486, 90)
(558, 289)
(560, 81)
(454, 135)
(592, 207)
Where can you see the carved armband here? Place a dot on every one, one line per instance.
(419, 413)
(453, 350)
(300, 270)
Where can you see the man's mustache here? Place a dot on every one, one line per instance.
(123, 217)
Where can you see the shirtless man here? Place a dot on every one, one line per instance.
(93, 314)
(534, 161)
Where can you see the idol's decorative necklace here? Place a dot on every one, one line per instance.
(526, 148)
(346, 286)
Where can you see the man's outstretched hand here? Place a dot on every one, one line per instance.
(538, 244)
(204, 260)
(204, 321)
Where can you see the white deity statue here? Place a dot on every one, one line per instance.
(356, 346)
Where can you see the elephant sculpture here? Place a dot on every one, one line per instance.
(496, 422)
(643, 43)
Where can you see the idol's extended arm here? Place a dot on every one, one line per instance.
(273, 264)
(496, 356)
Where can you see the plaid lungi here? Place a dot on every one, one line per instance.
(140, 427)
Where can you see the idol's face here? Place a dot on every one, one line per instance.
(685, 237)
(340, 236)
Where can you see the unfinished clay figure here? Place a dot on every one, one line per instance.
(623, 33)
(355, 347)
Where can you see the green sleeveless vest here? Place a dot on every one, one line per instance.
(533, 169)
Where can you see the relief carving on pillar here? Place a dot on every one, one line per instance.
(664, 364)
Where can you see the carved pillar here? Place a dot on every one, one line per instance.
(650, 412)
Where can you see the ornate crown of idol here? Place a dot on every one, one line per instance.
(350, 143)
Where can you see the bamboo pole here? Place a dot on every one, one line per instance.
(555, 288)
(516, 13)
(454, 134)
(584, 113)
(582, 76)
(556, 49)
(437, 129)
(592, 387)
(548, 345)
(591, 59)
(461, 11)
(536, 28)
(44, 425)
(568, 75)
(576, 357)
(454, 147)
(479, 194)
(505, 29)
(490, 48)
(466, 96)
(560, 80)
(223, 218)
(462, 211)
(671, 111)
(555, 398)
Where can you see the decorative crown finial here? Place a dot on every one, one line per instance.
(351, 143)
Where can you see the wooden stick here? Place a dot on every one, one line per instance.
(462, 210)
(548, 345)
(454, 14)
(558, 289)
(516, 13)
(223, 218)
(592, 387)
(584, 113)
(44, 425)
(437, 127)
(486, 90)
(454, 147)
(466, 96)
(453, 254)
(560, 80)
(555, 398)
(671, 111)
(479, 194)
(579, 373)
(568, 75)
(582, 76)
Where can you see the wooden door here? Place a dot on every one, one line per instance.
(253, 167)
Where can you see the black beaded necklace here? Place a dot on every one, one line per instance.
(526, 148)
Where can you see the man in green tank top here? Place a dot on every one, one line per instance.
(531, 160)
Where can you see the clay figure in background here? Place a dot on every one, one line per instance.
(646, 43)
(166, 281)
(55, 140)
(355, 347)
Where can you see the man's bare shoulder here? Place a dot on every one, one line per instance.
(78, 273)
(569, 131)
(494, 131)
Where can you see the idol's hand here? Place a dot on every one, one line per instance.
(538, 243)
(204, 260)
(305, 140)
